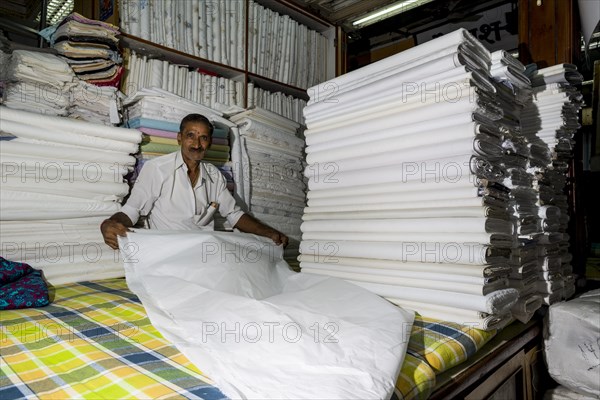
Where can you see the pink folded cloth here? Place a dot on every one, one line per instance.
(159, 132)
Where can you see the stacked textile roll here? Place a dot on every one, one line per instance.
(284, 50)
(38, 82)
(213, 30)
(406, 183)
(60, 178)
(277, 102)
(215, 92)
(514, 93)
(158, 114)
(90, 47)
(272, 161)
(552, 120)
(44, 83)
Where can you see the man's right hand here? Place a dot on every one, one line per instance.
(110, 230)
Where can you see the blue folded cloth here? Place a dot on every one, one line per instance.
(168, 126)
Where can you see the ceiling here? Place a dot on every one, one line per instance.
(345, 12)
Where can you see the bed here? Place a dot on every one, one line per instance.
(95, 341)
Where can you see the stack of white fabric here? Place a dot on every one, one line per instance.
(215, 92)
(282, 49)
(272, 161)
(44, 83)
(158, 113)
(514, 93)
(213, 30)
(60, 179)
(38, 82)
(96, 104)
(552, 119)
(278, 47)
(280, 103)
(406, 176)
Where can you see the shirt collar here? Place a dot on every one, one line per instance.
(179, 163)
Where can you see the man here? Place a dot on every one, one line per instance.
(179, 192)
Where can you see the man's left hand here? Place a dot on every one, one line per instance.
(279, 238)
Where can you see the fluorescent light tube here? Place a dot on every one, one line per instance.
(390, 11)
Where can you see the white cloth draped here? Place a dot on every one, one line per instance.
(361, 338)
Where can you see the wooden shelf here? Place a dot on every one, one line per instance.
(153, 50)
(455, 382)
(273, 85)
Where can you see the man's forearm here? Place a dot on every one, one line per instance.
(249, 224)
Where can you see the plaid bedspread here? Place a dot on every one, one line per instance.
(94, 342)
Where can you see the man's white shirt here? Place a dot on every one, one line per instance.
(165, 194)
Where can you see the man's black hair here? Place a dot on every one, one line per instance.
(196, 118)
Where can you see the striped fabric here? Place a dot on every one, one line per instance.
(445, 344)
(94, 341)
(416, 379)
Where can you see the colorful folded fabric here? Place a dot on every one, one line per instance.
(159, 132)
(21, 286)
(112, 81)
(416, 379)
(445, 344)
(220, 133)
(169, 126)
(159, 148)
(153, 123)
(220, 147)
(159, 140)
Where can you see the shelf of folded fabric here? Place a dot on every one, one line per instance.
(288, 45)
(287, 106)
(150, 49)
(216, 92)
(272, 158)
(61, 178)
(154, 51)
(400, 174)
(213, 40)
(44, 83)
(551, 120)
(90, 47)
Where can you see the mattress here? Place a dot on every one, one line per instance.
(95, 341)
